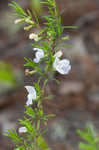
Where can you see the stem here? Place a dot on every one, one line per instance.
(56, 14)
(35, 142)
(37, 125)
(44, 86)
(35, 139)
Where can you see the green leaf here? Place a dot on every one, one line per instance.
(70, 27)
(42, 143)
(13, 135)
(18, 9)
(91, 141)
(30, 112)
(20, 148)
(30, 127)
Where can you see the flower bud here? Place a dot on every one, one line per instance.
(28, 27)
(58, 54)
(29, 21)
(34, 37)
(26, 72)
(18, 21)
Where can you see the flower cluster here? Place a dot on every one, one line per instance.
(62, 66)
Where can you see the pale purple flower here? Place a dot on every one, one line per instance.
(31, 95)
(22, 130)
(38, 55)
(62, 66)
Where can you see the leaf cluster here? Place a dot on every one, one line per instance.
(24, 16)
(18, 10)
(91, 140)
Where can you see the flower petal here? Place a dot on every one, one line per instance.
(22, 130)
(30, 99)
(30, 89)
(31, 96)
(62, 66)
(38, 55)
(65, 61)
(56, 61)
(37, 49)
(36, 60)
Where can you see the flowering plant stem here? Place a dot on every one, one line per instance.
(45, 64)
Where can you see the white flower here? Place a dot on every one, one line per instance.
(38, 55)
(58, 54)
(31, 96)
(22, 130)
(62, 66)
(34, 37)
